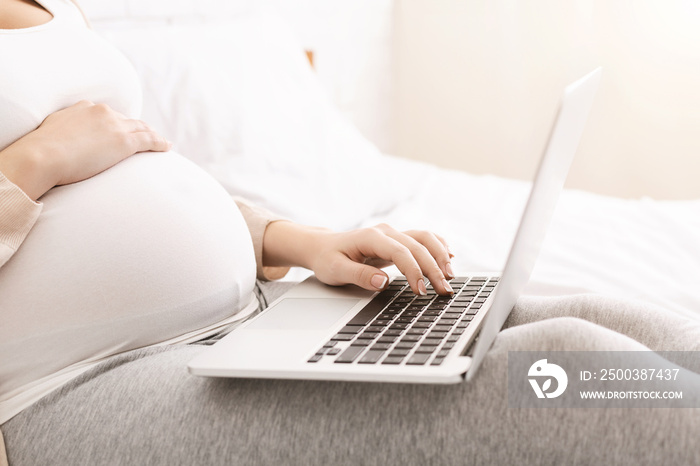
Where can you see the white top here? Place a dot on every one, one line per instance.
(151, 251)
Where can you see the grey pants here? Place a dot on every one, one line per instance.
(143, 407)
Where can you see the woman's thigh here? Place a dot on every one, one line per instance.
(654, 327)
(144, 408)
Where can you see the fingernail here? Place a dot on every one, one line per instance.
(447, 286)
(448, 269)
(422, 290)
(378, 281)
(449, 251)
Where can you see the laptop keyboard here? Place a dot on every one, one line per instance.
(399, 327)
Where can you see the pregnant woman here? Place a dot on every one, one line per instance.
(120, 259)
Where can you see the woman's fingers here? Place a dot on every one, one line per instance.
(134, 126)
(374, 242)
(438, 249)
(362, 275)
(427, 251)
(143, 141)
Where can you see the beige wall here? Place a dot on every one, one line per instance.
(478, 81)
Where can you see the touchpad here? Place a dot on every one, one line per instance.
(303, 314)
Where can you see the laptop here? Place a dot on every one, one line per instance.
(319, 332)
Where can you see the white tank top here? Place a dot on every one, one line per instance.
(151, 251)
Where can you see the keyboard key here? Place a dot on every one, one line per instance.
(333, 351)
(372, 357)
(380, 346)
(442, 353)
(422, 325)
(418, 359)
(387, 339)
(380, 323)
(431, 342)
(393, 360)
(436, 334)
(350, 329)
(399, 325)
(371, 310)
(330, 344)
(350, 354)
(361, 342)
(437, 306)
(444, 321)
(393, 332)
(442, 328)
(426, 349)
(437, 361)
(399, 352)
(368, 336)
(411, 338)
(343, 337)
(406, 345)
(458, 331)
(416, 331)
(315, 358)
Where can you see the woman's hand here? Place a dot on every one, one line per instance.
(74, 144)
(355, 256)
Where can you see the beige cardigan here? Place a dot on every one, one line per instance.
(18, 213)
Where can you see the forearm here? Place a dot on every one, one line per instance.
(287, 244)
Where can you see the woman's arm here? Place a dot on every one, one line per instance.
(354, 256)
(74, 144)
(71, 145)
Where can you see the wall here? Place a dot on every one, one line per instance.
(478, 81)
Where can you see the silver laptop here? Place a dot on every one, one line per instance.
(315, 331)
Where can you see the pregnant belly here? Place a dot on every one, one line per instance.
(146, 251)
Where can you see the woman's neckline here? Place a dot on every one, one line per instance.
(38, 27)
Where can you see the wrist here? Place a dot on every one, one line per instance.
(287, 244)
(25, 163)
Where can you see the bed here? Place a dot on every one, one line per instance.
(239, 98)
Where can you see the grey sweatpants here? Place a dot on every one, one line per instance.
(143, 407)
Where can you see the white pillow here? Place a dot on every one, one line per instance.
(240, 99)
